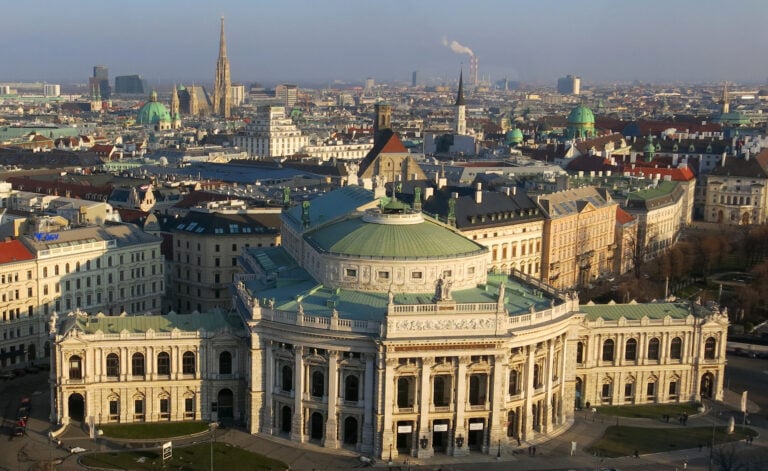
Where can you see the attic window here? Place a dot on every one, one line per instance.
(383, 275)
(351, 272)
(417, 275)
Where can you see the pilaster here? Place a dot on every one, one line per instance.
(331, 423)
(297, 422)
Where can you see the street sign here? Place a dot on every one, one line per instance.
(167, 450)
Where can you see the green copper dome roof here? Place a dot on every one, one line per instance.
(358, 238)
(581, 115)
(514, 136)
(153, 112)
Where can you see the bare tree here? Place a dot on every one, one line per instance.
(727, 458)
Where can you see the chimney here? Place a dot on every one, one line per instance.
(479, 193)
(746, 155)
(506, 190)
(429, 192)
(454, 195)
(514, 190)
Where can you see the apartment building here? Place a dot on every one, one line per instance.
(579, 236)
(206, 245)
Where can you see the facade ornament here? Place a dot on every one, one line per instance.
(52, 323)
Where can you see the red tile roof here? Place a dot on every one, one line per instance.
(681, 174)
(14, 251)
(393, 146)
(623, 217)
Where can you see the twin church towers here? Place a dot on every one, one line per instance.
(222, 85)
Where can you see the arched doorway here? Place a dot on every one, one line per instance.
(76, 405)
(316, 426)
(285, 419)
(350, 431)
(226, 400)
(579, 393)
(707, 386)
(745, 219)
(512, 430)
(47, 349)
(720, 217)
(31, 352)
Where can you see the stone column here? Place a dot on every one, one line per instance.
(368, 404)
(269, 386)
(496, 428)
(424, 405)
(297, 422)
(331, 423)
(388, 404)
(527, 431)
(459, 428)
(547, 419)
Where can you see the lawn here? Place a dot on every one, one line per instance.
(623, 441)
(192, 458)
(650, 411)
(153, 430)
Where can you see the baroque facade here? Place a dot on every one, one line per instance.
(379, 329)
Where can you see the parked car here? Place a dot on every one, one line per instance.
(19, 372)
(19, 430)
(6, 375)
(32, 369)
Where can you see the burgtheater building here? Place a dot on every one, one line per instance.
(378, 329)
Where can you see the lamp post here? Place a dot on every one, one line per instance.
(498, 453)
(212, 427)
(390, 454)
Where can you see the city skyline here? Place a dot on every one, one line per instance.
(529, 41)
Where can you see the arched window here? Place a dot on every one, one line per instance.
(441, 394)
(404, 396)
(286, 378)
(477, 389)
(66, 268)
(351, 387)
(630, 350)
(709, 348)
(113, 365)
(536, 376)
(580, 352)
(188, 363)
(75, 367)
(163, 363)
(653, 349)
(225, 363)
(514, 385)
(56, 270)
(608, 350)
(318, 384)
(676, 349)
(137, 364)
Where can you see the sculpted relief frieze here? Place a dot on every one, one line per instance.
(445, 324)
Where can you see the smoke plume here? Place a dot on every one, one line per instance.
(457, 47)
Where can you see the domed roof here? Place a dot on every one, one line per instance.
(514, 136)
(405, 236)
(581, 115)
(153, 112)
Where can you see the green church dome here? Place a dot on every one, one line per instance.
(514, 136)
(153, 112)
(581, 115)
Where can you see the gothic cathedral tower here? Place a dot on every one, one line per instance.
(460, 125)
(222, 87)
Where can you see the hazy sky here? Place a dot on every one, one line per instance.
(322, 40)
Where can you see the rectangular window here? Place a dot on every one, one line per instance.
(673, 389)
(651, 390)
(417, 275)
(350, 272)
(165, 408)
(606, 392)
(138, 408)
(189, 408)
(383, 275)
(628, 389)
(114, 410)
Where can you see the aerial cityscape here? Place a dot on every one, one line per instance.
(429, 236)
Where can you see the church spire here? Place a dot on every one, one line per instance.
(460, 94)
(460, 121)
(222, 88)
(725, 101)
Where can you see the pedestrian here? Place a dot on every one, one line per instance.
(699, 447)
(637, 454)
(530, 450)
(534, 451)
(518, 441)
